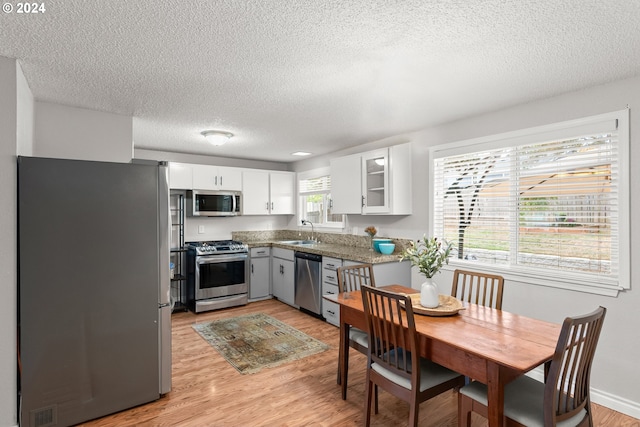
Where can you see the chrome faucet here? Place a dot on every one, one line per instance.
(307, 222)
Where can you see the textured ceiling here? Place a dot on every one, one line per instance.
(313, 75)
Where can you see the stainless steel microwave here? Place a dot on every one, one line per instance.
(214, 203)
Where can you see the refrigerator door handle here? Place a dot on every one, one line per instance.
(164, 354)
(164, 231)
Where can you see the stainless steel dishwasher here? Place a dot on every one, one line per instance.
(307, 282)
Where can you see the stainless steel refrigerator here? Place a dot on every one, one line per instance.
(94, 311)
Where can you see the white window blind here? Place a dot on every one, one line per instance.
(315, 185)
(314, 189)
(546, 202)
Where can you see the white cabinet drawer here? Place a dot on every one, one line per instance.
(331, 312)
(282, 253)
(329, 263)
(329, 289)
(330, 276)
(260, 252)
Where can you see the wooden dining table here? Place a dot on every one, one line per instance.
(488, 345)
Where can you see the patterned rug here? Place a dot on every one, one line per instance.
(257, 341)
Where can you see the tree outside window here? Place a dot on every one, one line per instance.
(552, 204)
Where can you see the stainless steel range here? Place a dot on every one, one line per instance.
(217, 274)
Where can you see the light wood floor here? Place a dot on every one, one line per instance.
(207, 391)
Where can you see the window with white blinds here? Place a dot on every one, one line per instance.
(315, 185)
(314, 189)
(548, 203)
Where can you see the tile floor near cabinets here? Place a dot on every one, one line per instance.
(207, 391)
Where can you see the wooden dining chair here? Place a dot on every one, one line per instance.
(564, 397)
(351, 278)
(478, 288)
(393, 360)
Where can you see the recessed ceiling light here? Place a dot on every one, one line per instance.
(216, 137)
(301, 153)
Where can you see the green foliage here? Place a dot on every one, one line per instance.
(428, 255)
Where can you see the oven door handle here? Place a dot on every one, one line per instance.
(211, 259)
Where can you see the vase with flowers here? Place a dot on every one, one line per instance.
(428, 254)
(371, 231)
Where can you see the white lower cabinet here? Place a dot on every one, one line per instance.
(330, 310)
(282, 275)
(388, 273)
(260, 281)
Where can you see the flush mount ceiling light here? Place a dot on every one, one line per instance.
(216, 137)
(301, 153)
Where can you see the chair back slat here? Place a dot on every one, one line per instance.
(392, 330)
(352, 277)
(478, 288)
(568, 379)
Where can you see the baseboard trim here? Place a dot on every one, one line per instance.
(609, 400)
(617, 403)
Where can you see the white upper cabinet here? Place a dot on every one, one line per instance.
(282, 187)
(180, 176)
(400, 179)
(216, 178)
(375, 182)
(255, 192)
(268, 192)
(346, 191)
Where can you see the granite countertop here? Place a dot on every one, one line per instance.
(333, 250)
(353, 248)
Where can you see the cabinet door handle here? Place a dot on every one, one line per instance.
(261, 252)
(363, 204)
(331, 312)
(267, 206)
(216, 180)
(271, 205)
(220, 180)
(251, 268)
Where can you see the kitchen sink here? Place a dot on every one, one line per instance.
(299, 242)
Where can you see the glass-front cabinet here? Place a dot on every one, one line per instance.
(375, 181)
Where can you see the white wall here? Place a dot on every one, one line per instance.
(24, 118)
(14, 121)
(68, 132)
(615, 374)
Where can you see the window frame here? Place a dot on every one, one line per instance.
(311, 174)
(552, 278)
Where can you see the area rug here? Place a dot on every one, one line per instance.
(256, 341)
